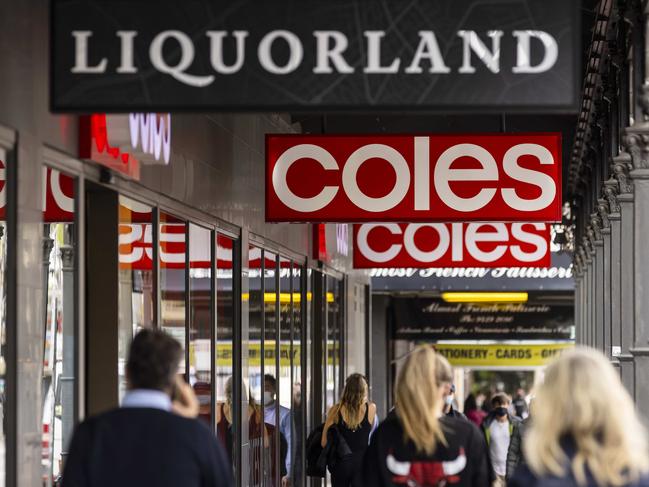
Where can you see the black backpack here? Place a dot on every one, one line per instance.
(316, 456)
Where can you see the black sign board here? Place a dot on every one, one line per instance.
(435, 319)
(288, 55)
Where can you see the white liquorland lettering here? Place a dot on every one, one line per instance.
(152, 132)
(329, 56)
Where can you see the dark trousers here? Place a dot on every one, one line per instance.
(346, 472)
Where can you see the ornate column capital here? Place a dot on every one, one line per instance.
(577, 262)
(636, 141)
(48, 243)
(621, 166)
(67, 257)
(594, 230)
(610, 192)
(603, 213)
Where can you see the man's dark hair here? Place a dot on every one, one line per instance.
(153, 360)
(270, 379)
(500, 399)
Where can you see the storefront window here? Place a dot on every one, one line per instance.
(298, 391)
(284, 382)
(200, 317)
(3, 312)
(58, 383)
(271, 384)
(334, 321)
(136, 286)
(172, 251)
(224, 344)
(256, 430)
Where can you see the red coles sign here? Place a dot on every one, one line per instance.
(427, 178)
(424, 245)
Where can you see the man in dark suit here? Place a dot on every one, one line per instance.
(150, 440)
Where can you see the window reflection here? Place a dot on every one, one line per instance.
(256, 430)
(298, 392)
(172, 251)
(224, 345)
(136, 287)
(285, 393)
(58, 382)
(200, 317)
(3, 311)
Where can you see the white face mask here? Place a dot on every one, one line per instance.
(268, 397)
(448, 400)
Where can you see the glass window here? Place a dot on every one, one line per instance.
(298, 392)
(58, 384)
(172, 278)
(271, 386)
(136, 286)
(284, 382)
(256, 430)
(3, 310)
(200, 317)
(334, 321)
(224, 388)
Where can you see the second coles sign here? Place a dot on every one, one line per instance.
(415, 178)
(423, 245)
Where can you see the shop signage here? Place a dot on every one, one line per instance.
(533, 355)
(435, 319)
(95, 144)
(423, 178)
(57, 195)
(424, 245)
(146, 136)
(284, 55)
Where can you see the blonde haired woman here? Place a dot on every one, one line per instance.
(353, 418)
(585, 430)
(418, 446)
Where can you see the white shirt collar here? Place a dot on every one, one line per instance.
(147, 398)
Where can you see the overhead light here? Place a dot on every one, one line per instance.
(285, 298)
(485, 297)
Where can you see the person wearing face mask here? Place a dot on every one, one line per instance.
(498, 427)
(444, 379)
(271, 408)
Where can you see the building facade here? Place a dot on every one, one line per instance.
(609, 194)
(89, 256)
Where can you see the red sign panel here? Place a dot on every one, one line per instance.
(423, 245)
(423, 178)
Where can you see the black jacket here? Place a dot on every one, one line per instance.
(525, 478)
(142, 447)
(515, 455)
(491, 417)
(391, 462)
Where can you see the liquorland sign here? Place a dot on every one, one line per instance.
(414, 178)
(425, 245)
(202, 55)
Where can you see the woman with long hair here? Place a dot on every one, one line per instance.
(473, 413)
(352, 418)
(420, 446)
(585, 431)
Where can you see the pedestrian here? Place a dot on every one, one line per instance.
(515, 453)
(352, 418)
(591, 437)
(520, 404)
(498, 427)
(270, 412)
(150, 440)
(473, 411)
(418, 445)
(444, 377)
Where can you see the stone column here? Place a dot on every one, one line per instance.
(625, 198)
(597, 298)
(637, 143)
(579, 333)
(588, 296)
(603, 213)
(615, 281)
